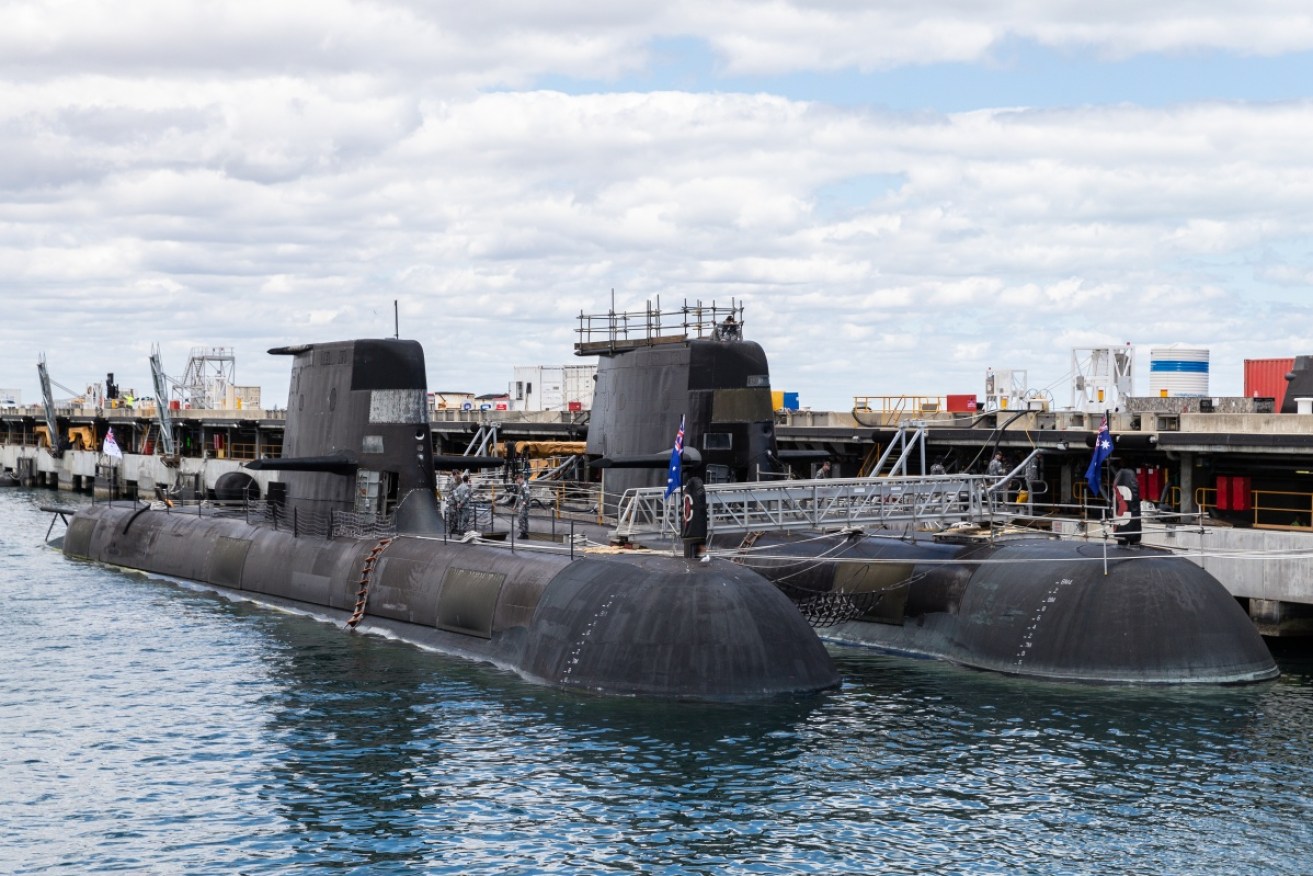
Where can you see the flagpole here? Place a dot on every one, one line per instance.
(679, 440)
(1107, 418)
(675, 478)
(682, 522)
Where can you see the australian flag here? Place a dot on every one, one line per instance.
(1102, 450)
(674, 477)
(111, 447)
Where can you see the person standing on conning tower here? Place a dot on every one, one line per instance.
(729, 329)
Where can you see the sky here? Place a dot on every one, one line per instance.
(901, 195)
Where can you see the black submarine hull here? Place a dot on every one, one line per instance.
(1035, 607)
(628, 624)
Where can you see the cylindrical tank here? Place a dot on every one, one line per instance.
(1178, 372)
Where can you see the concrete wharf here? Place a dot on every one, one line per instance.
(1236, 487)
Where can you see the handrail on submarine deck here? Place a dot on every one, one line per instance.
(828, 503)
(302, 519)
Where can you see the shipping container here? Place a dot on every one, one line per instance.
(1234, 493)
(783, 401)
(1266, 378)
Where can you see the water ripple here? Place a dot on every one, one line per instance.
(152, 729)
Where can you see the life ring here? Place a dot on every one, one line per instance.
(1123, 497)
(688, 508)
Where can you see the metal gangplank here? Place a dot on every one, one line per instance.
(898, 503)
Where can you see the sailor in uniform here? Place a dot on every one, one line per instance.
(463, 498)
(521, 493)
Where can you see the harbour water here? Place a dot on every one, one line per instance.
(149, 728)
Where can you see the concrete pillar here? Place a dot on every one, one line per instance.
(1186, 465)
(1065, 494)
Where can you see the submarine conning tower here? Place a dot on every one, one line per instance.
(658, 367)
(357, 435)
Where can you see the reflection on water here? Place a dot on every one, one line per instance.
(148, 728)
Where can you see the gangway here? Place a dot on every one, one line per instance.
(897, 503)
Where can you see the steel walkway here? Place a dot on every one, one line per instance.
(867, 503)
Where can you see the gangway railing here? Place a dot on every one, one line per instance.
(826, 504)
(907, 445)
(483, 440)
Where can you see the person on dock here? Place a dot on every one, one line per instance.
(1034, 482)
(824, 470)
(521, 493)
(996, 469)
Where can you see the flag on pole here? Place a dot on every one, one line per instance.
(1102, 450)
(674, 476)
(111, 447)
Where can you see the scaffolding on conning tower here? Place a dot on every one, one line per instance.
(615, 332)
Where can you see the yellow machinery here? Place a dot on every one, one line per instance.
(79, 437)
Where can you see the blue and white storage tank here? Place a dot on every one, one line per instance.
(1178, 372)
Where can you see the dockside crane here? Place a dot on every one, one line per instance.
(48, 400)
(161, 382)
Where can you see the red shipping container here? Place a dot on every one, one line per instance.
(1157, 481)
(1151, 483)
(962, 404)
(1266, 378)
(1233, 493)
(1240, 489)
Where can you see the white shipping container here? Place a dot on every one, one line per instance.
(551, 388)
(579, 384)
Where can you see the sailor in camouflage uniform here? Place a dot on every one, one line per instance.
(521, 493)
(464, 501)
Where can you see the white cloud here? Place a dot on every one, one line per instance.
(252, 175)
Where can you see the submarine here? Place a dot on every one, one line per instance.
(348, 527)
(1023, 603)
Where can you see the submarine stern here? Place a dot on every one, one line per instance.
(1152, 618)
